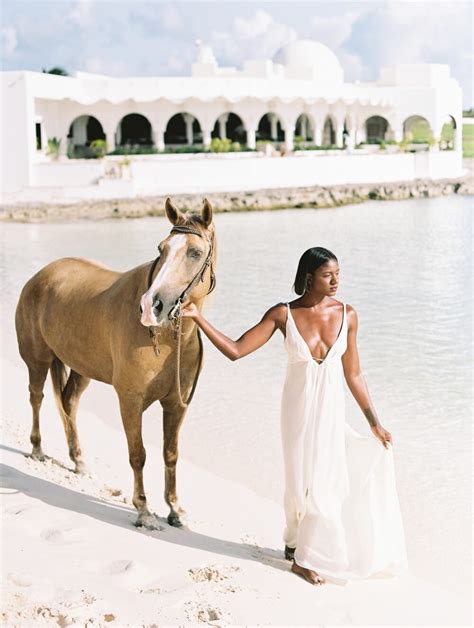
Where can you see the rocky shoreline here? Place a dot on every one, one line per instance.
(271, 199)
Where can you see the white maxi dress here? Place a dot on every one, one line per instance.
(341, 504)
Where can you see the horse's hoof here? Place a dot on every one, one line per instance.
(81, 469)
(175, 521)
(149, 522)
(37, 454)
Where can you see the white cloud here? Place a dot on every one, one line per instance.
(257, 25)
(9, 40)
(335, 30)
(171, 18)
(82, 12)
(257, 37)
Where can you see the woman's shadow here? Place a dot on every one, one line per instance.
(123, 516)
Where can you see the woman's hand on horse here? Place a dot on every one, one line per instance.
(189, 310)
(382, 434)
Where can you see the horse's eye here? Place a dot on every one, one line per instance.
(194, 253)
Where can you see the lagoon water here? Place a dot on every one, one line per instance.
(405, 267)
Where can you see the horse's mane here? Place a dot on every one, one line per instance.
(194, 220)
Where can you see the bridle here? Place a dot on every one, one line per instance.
(175, 311)
(174, 315)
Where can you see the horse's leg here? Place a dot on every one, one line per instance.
(172, 419)
(76, 385)
(37, 377)
(131, 409)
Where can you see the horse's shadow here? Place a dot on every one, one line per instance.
(122, 516)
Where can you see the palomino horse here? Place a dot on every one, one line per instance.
(80, 314)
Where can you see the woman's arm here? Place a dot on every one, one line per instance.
(356, 382)
(250, 341)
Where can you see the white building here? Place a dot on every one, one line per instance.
(301, 93)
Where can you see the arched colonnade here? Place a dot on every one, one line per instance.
(185, 129)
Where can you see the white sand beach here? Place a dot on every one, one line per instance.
(72, 556)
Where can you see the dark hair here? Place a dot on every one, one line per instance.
(310, 260)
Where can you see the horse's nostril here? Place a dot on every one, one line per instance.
(141, 310)
(157, 306)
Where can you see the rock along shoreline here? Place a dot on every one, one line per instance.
(256, 200)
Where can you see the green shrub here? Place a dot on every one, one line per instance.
(404, 145)
(135, 149)
(322, 147)
(80, 152)
(99, 148)
(54, 146)
(195, 148)
(220, 145)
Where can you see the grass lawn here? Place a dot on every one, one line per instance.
(421, 133)
(468, 140)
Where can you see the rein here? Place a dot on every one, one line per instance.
(174, 314)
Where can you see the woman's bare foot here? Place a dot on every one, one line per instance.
(310, 576)
(289, 552)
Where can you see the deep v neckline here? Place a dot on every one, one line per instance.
(317, 360)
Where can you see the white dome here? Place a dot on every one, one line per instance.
(311, 55)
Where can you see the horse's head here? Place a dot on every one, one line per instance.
(185, 266)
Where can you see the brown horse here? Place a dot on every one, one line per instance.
(80, 314)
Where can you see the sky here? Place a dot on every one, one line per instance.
(157, 38)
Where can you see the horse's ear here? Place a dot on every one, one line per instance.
(206, 213)
(175, 216)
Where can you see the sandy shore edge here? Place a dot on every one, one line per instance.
(268, 199)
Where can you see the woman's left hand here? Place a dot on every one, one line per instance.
(382, 434)
(189, 310)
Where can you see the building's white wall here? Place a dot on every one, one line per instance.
(188, 174)
(17, 131)
(437, 165)
(67, 174)
(202, 175)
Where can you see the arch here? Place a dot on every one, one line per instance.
(329, 132)
(183, 128)
(376, 129)
(83, 130)
(230, 125)
(134, 129)
(270, 128)
(304, 127)
(417, 130)
(448, 134)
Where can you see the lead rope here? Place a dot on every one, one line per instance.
(184, 404)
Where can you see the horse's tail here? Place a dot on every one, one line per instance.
(59, 377)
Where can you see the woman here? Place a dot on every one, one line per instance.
(342, 512)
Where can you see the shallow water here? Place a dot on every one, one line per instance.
(405, 267)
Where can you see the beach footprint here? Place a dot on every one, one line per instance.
(20, 580)
(62, 536)
(212, 573)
